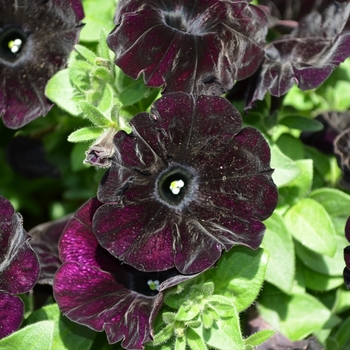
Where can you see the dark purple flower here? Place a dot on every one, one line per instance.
(333, 124)
(342, 153)
(95, 289)
(198, 46)
(307, 56)
(187, 183)
(36, 38)
(347, 256)
(19, 268)
(44, 241)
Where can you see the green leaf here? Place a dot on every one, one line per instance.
(331, 266)
(180, 343)
(85, 134)
(225, 333)
(291, 146)
(299, 187)
(286, 169)
(94, 115)
(296, 315)
(194, 340)
(278, 241)
(65, 331)
(133, 92)
(187, 315)
(319, 282)
(259, 337)
(102, 47)
(311, 225)
(97, 17)
(165, 334)
(61, 91)
(336, 202)
(37, 336)
(239, 275)
(301, 123)
(87, 54)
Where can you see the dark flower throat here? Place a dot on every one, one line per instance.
(12, 42)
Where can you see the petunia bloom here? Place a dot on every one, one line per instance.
(19, 268)
(97, 290)
(307, 56)
(347, 256)
(187, 183)
(36, 38)
(198, 46)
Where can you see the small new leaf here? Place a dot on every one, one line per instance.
(94, 115)
(85, 134)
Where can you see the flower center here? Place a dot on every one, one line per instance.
(175, 20)
(176, 185)
(12, 42)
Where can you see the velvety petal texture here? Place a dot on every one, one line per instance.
(95, 289)
(36, 38)
(19, 267)
(44, 242)
(187, 183)
(307, 56)
(195, 46)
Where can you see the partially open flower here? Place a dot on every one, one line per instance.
(187, 183)
(95, 289)
(192, 46)
(36, 38)
(19, 268)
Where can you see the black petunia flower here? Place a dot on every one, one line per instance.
(19, 268)
(347, 256)
(342, 153)
(198, 46)
(187, 183)
(36, 38)
(307, 56)
(97, 290)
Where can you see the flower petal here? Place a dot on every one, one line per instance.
(11, 313)
(94, 298)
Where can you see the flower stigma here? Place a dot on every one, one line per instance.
(153, 285)
(15, 45)
(176, 186)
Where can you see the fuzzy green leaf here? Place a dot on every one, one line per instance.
(239, 275)
(37, 336)
(164, 335)
(87, 54)
(61, 91)
(94, 115)
(259, 337)
(85, 134)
